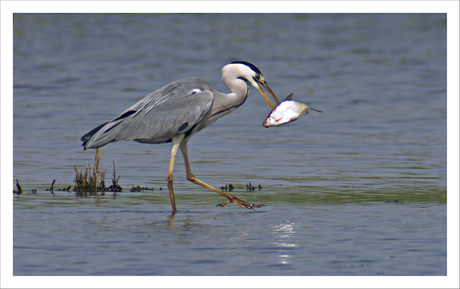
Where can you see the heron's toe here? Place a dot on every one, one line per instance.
(240, 203)
(223, 204)
(250, 206)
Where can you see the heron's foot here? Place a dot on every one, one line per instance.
(240, 203)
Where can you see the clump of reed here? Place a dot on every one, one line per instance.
(87, 184)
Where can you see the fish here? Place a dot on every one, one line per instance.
(287, 111)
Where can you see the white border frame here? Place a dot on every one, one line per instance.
(10, 7)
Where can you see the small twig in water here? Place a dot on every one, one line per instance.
(19, 187)
(52, 185)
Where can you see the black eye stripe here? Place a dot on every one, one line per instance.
(245, 80)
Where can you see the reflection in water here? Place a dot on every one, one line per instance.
(171, 221)
(285, 234)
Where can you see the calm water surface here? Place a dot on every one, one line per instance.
(134, 235)
(330, 180)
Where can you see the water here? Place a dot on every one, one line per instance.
(329, 181)
(134, 235)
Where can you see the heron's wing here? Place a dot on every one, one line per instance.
(171, 110)
(159, 122)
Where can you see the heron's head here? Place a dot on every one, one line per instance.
(251, 74)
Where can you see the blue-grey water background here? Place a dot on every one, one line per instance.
(357, 190)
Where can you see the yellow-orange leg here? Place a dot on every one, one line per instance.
(176, 141)
(193, 179)
(97, 158)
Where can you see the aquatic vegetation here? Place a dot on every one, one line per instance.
(139, 189)
(249, 187)
(86, 183)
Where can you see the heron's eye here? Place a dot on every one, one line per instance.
(257, 76)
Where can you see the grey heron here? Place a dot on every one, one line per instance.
(175, 112)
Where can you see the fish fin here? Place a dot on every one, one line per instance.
(289, 97)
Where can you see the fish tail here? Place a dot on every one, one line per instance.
(308, 104)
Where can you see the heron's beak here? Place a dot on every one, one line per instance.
(265, 85)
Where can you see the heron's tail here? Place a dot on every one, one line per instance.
(104, 133)
(90, 134)
(100, 135)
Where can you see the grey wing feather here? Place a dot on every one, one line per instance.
(171, 110)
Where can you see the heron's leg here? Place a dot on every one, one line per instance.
(97, 158)
(193, 179)
(176, 141)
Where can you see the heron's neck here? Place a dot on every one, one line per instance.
(239, 89)
(225, 102)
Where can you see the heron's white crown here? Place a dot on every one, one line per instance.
(240, 69)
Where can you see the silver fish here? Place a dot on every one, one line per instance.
(287, 111)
